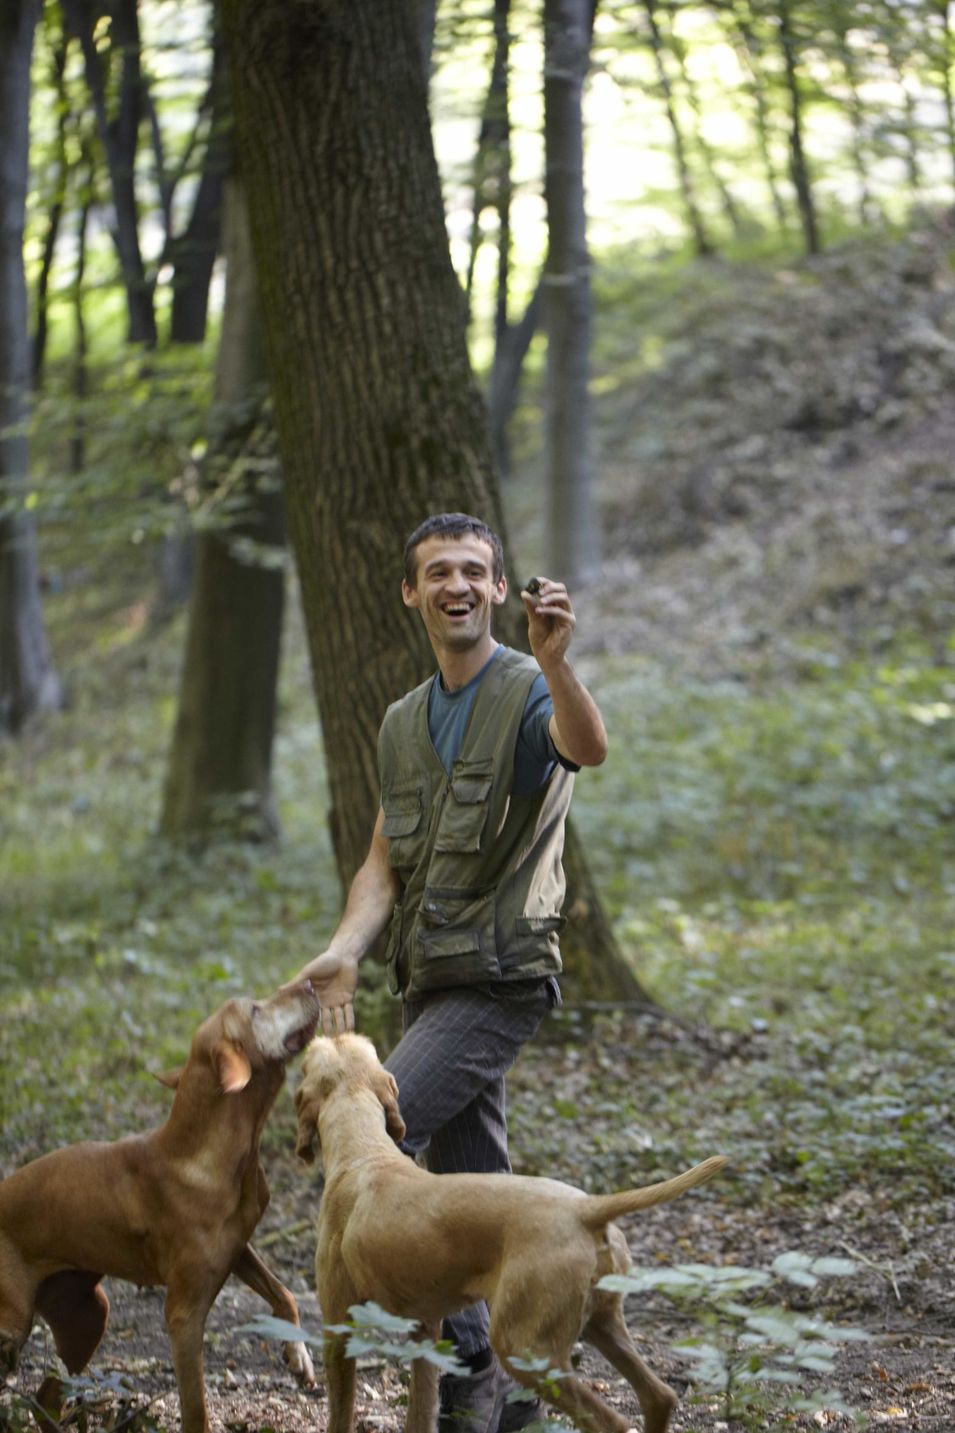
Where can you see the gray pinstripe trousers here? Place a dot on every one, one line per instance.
(450, 1065)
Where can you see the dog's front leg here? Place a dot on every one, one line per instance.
(186, 1311)
(340, 1379)
(423, 1391)
(259, 1277)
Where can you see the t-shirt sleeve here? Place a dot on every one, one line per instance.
(536, 755)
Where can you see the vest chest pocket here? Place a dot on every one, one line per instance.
(465, 811)
(402, 825)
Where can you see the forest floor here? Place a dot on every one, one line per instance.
(771, 639)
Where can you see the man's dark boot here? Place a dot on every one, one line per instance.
(520, 1412)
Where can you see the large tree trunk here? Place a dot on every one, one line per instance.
(27, 681)
(219, 777)
(574, 535)
(379, 418)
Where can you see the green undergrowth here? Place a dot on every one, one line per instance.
(777, 857)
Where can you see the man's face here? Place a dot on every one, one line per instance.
(455, 590)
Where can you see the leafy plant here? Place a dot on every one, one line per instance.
(754, 1356)
(370, 1330)
(87, 1401)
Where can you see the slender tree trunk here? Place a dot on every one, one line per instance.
(946, 58)
(28, 683)
(219, 776)
(118, 127)
(80, 376)
(748, 49)
(727, 203)
(492, 163)
(510, 351)
(192, 253)
(54, 212)
(574, 535)
(797, 152)
(856, 108)
(701, 239)
(379, 418)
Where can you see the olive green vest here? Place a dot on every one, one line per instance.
(480, 868)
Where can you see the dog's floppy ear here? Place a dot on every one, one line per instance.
(386, 1088)
(232, 1067)
(306, 1105)
(169, 1078)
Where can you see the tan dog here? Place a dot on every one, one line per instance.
(423, 1246)
(174, 1207)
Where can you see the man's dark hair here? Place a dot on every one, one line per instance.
(455, 525)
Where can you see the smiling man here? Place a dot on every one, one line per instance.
(476, 769)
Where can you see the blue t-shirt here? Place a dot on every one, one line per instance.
(535, 755)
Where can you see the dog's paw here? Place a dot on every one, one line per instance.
(297, 1357)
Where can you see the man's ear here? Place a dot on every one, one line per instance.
(232, 1067)
(386, 1089)
(306, 1106)
(499, 594)
(169, 1078)
(409, 594)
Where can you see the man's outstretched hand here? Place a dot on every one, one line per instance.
(335, 980)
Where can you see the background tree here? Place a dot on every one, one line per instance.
(379, 417)
(27, 680)
(573, 530)
(219, 776)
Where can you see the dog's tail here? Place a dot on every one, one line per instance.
(601, 1209)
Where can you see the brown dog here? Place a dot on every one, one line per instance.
(174, 1207)
(424, 1245)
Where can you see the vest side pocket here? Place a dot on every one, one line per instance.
(403, 810)
(454, 940)
(464, 816)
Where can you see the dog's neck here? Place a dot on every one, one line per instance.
(351, 1130)
(238, 1121)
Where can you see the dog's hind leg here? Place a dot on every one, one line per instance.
(609, 1334)
(74, 1304)
(549, 1333)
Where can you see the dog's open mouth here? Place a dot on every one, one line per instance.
(297, 1039)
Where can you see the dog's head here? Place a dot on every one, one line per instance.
(345, 1063)
(247, 1035)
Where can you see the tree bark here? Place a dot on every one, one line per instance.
(28, 683)
(378, 414)
(574, 535)
(219, 779)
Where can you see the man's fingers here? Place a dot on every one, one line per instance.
(338, 1019)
